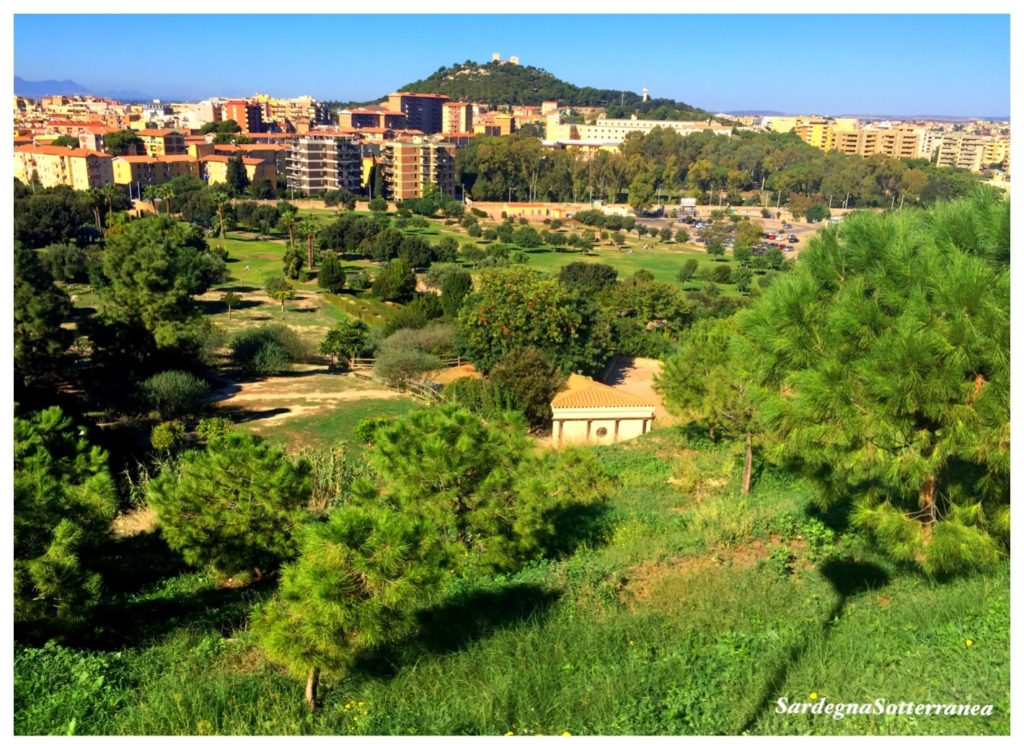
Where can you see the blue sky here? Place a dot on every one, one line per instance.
(956, 65)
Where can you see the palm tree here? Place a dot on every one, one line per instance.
(95, 199)
(309, 226)
(111, 191)
(220, 200)
(289, 221)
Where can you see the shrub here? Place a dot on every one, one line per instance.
(398, 367)
(167, 435)
(395, 281)
(268, 350)
(331, 275)
(175, 393)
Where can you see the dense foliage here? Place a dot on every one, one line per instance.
(233, 506)
(64, 500)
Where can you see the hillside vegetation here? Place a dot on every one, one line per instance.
(498, 83)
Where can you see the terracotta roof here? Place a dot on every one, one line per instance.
(156, 132)
(225, 158)
(157, 158)
(79, 152)
(581, 392)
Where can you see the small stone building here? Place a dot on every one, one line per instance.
(589, 412)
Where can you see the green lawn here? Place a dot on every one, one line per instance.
(691, 612)
(332, 426)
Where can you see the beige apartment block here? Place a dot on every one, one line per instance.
(962, 151)
(61, 166)
(324, 162)
(409, 168)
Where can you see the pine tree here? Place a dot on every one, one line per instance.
(707, 382)
(233, 505)
(888, 346)
(64, 500)
(356, 584)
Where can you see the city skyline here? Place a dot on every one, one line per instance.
(718, 58)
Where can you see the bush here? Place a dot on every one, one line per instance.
(398, 367)
(532, 380)
(267, 351)
(395, 281)
(174, 393)
(377, 204)
(167, 435)
(331, 275)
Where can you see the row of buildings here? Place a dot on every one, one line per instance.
(260, 113)
(976, 149)
(84, 169)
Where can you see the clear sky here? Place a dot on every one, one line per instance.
(955, 65)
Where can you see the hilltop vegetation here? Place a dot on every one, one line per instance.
(497, 83)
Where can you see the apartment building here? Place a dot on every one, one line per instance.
(149, 170)
(324, 161)
(615, 130)
(214, 169)
(162, 141)
(816, 132)
(409, 167)
(899, 142)
(371, 118)
(292, 114)
(423, 111)
(247, 114)
(457, 117)
(61, 166)
(960, 150)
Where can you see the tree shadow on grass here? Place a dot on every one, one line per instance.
(459, 621)
(848, 578)
(240, 415)
(217, 307)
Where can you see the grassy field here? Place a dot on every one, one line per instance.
(692, 610)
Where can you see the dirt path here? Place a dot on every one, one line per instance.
(306, 393)
(635, 375)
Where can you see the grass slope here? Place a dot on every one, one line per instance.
(697, 609)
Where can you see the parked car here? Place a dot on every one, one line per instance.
(793, 239)
(786, 226)
(771, 236)
(790, 249)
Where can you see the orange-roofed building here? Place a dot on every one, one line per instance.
(215, 169)
(162, 141)
(590, 412)
(149, 170)
(62, 166)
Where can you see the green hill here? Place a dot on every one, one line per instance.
(501, 83)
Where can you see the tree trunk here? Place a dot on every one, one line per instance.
(312, 681)
(711, 432)
(99, 219)
(220, 218)
(309, 249)
(929, 507)
(748, 463)
(282, 307)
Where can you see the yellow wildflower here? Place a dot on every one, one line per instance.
(813, 696)
(969, 643)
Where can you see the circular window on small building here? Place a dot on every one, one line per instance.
(601, 432)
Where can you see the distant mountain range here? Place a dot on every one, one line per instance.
(40, 88)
